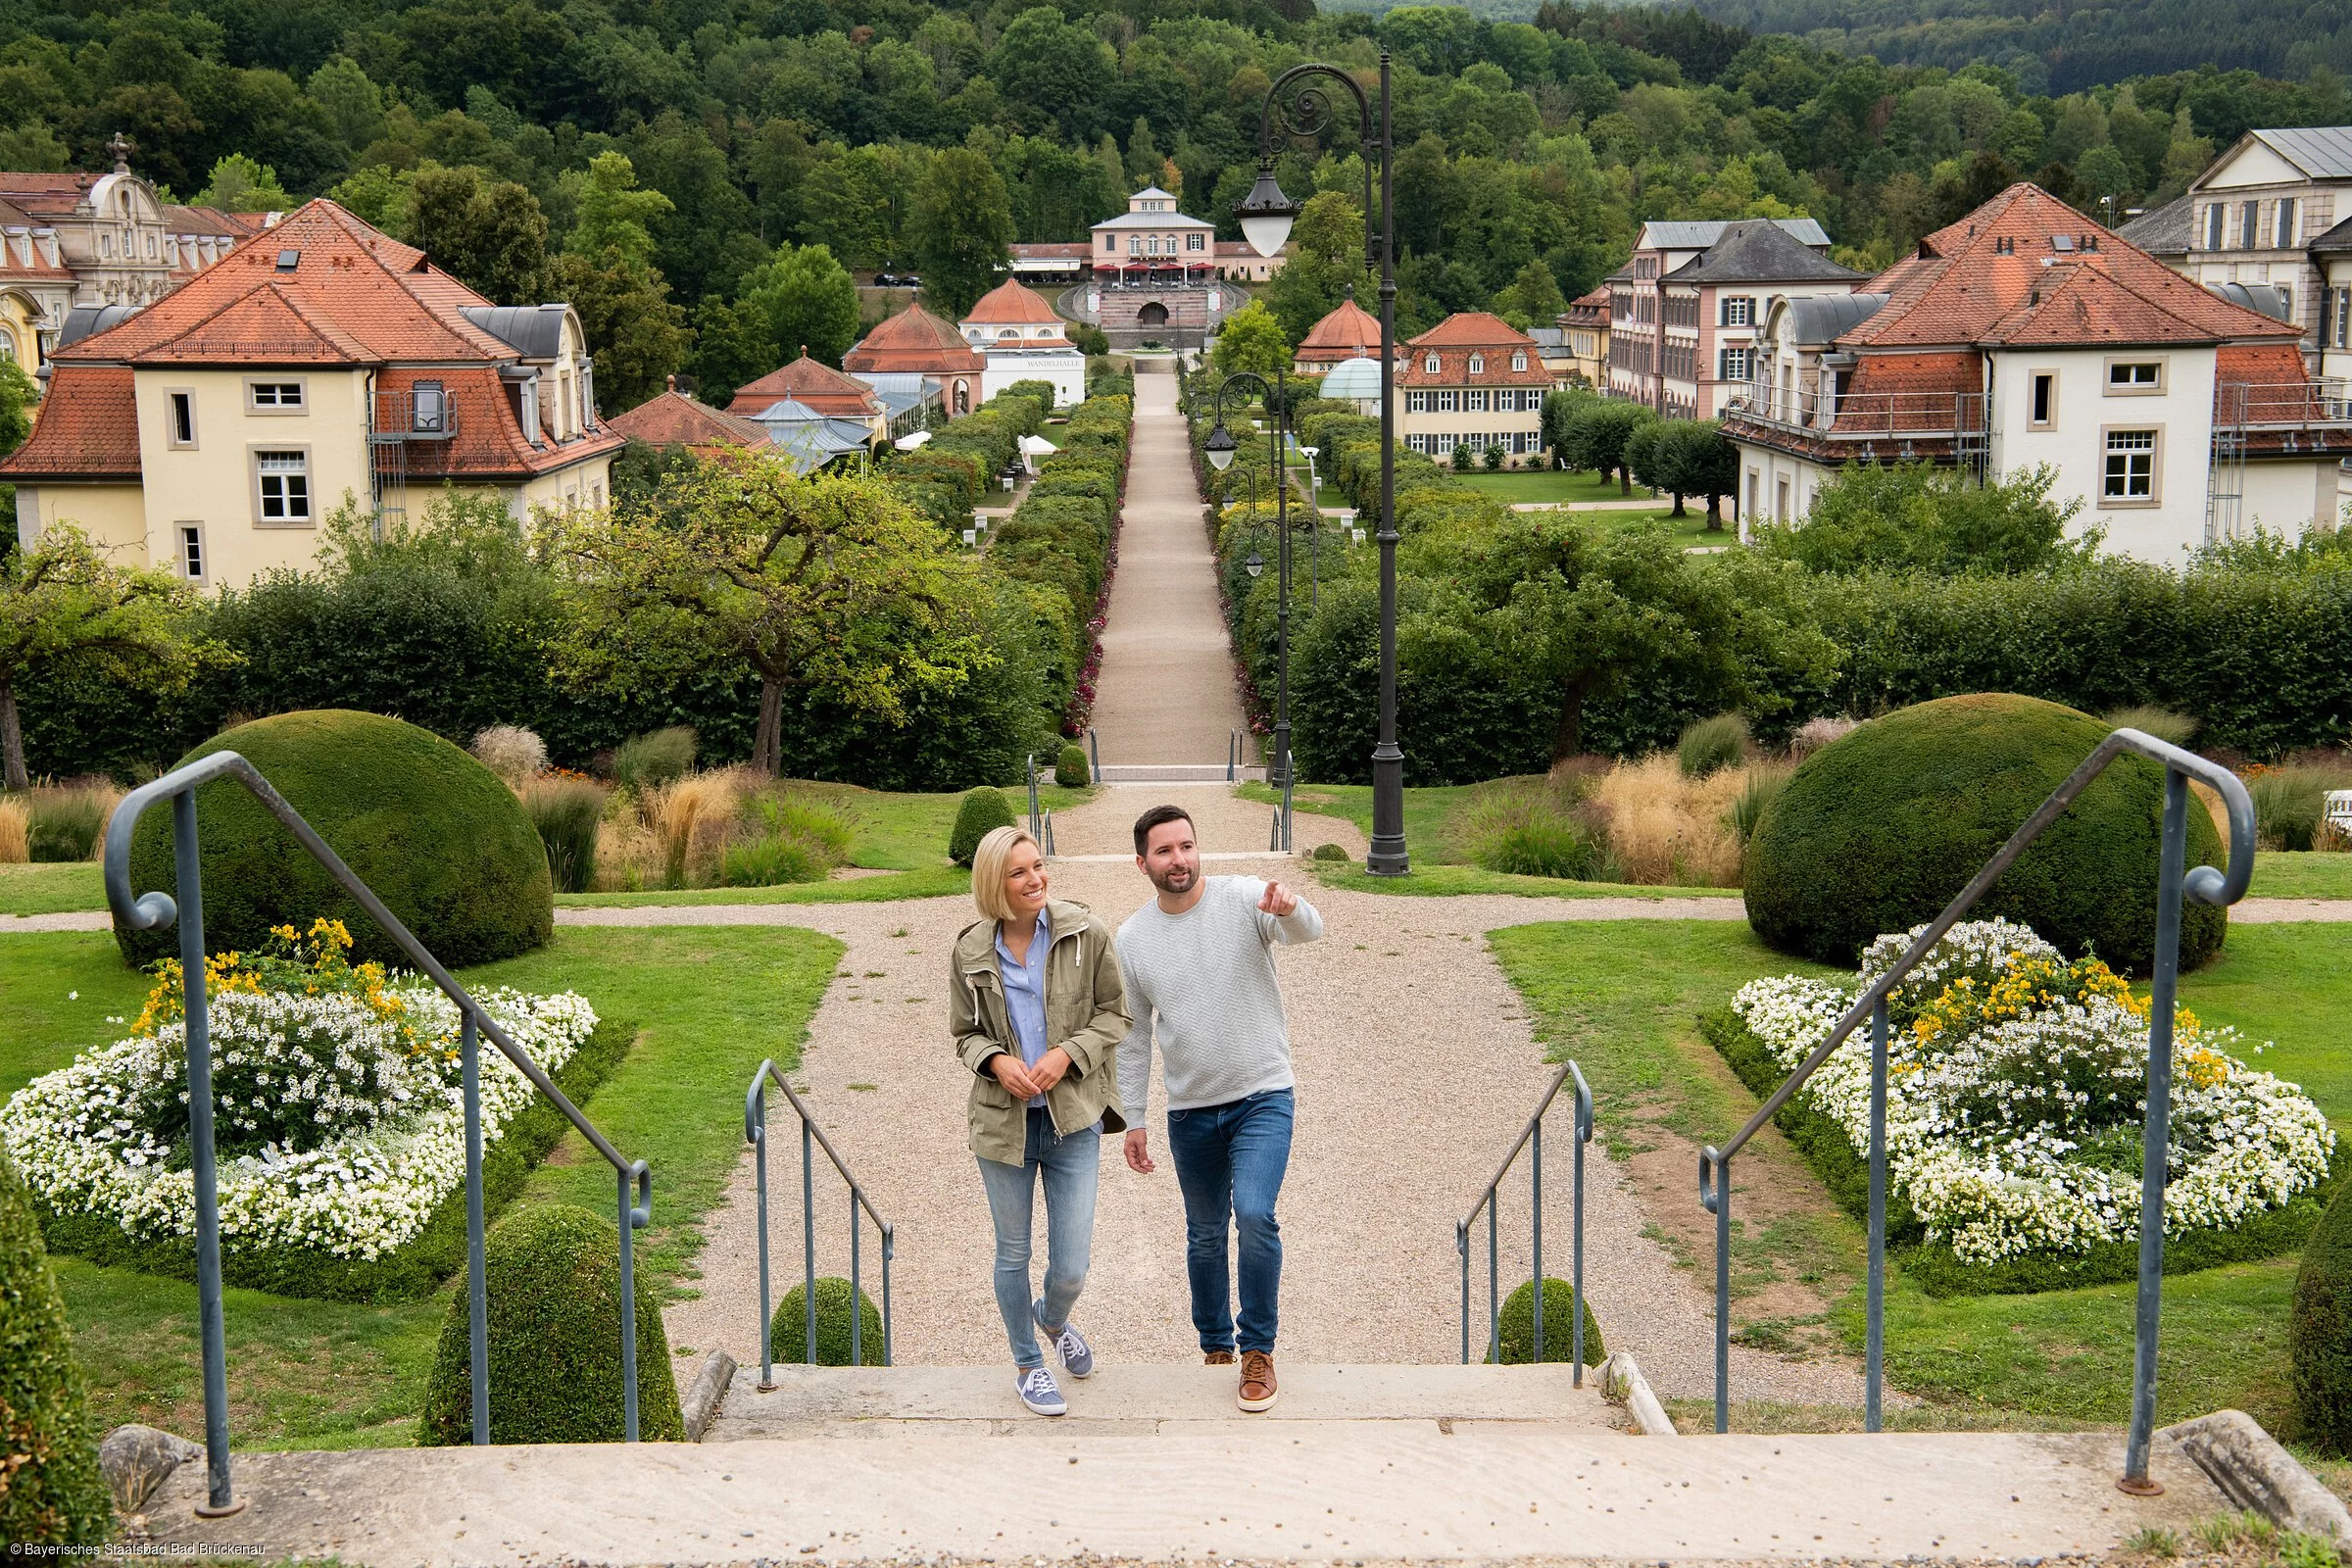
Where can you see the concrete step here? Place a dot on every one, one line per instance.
(1155, 1397)
(1318, 1490)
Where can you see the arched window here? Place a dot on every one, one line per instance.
(1477, 364)
(1007, 334)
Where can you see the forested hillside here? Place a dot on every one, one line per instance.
(2057, 47)
(703, 175)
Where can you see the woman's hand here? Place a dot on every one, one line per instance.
(1049, 1069)
(1015, 1077)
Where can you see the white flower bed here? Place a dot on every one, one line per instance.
(2016, 1091)
(382, 1084)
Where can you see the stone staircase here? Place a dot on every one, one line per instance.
(1154, 1464)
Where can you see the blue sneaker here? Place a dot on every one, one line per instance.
(1039, 1391)
(1077, 1356)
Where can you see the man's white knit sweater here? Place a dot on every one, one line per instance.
(1204, 981)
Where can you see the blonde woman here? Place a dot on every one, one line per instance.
(1038, 1011)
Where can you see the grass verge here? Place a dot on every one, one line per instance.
(2301, 874)
(51, 888)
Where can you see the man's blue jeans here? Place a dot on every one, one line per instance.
(1230, 1161)
(1070, 1168)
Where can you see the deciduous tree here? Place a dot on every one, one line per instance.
(809, 302)
(1252, 340)
(962, 228)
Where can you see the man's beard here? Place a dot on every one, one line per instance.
(1177, 879)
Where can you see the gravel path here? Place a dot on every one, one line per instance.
(1165, 693)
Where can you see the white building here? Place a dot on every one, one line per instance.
(2026, 336)
(1022, 339)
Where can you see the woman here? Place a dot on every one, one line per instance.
(1038, 1011)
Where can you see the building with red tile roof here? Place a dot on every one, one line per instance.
(1472, 380)
(675, 418)
(318, 363)
(2025, 336)
(914, 342)
(1348, 333)
(818, 386)
(1023, 339)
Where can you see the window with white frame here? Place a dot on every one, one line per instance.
(2131, 466)
(1739, 310)
(2042, 413)
(1195, 242)
(1474, 403)
(1417, 443)
(1416, 403)
(2135, 375)
(180, 408)
(1518, 359)
(273, 397)
(283, 485)
(2343, 309)
(1477, 364)
(1733, 365)
(1429, 365)
(1449, 403)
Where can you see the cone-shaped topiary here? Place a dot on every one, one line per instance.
(1518, 1326)
(2319, 1329)
(1876, 832)
(982, 812)
(444, 844)
(788, 1330)
(553, 1282)
(1070, 769)
(51, 1490)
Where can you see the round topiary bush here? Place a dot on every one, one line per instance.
(1329, 851)
(1518, 1327)
(552, 1275)
(982, 812)
(51, 1490)
(1070, 769)
(1876, 833)
(444, 844)
(788, 1330)
(2319, 1329)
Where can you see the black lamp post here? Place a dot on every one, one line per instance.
(1221, 450)
(1266, 216)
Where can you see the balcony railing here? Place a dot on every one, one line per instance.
(418, 414)
(1863, 416)
(2291, 405)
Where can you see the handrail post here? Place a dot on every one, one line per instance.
(756, 1125)
(1582, 1135)
(1536, 1228)
(1493, 1288)
(1094, 752)
(1717, 1201)
(2157, 1141)
(1037, 828)
(1875, 1333)
(477, 1286)
(631, 1217)
(807, 1243)
(856, 1290)
(195, 1004)
(890, 1245)
(1461, 1247)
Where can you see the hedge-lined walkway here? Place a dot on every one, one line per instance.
(1165, 694)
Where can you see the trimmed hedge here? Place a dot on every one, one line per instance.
(410, 1274)
(1516, 1329)
(788, 1330)
(52, 1492)
(436, 835)
(1845, 1171)
(983, 812)
(553, 1278)
(1877, 831)
(2319, 1329)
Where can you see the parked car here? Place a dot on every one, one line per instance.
(889, 281)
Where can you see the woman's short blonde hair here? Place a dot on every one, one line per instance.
(989, 862)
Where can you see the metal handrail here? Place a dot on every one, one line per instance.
(1036, 825)
(812, 1136)
(2199, 885)
(149, 911)
(1094, 754)
(1530, 1137)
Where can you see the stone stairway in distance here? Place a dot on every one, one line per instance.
(1154, 1463)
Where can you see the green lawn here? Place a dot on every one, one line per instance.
(1550, 485)
(2301, 874)
(52, 888)
(710, 1003)
(1623, 999)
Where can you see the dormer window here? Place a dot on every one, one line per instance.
(1519, 359)
(432, 408)
(1429, 365)
(1007, 334)
(1477, 364)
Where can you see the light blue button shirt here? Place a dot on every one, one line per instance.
(1025, 993)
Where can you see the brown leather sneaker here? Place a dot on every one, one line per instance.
(1259, 1388)
(1216, 1358)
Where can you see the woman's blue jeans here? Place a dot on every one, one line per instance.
(1070, 1168)
(1230, 1161)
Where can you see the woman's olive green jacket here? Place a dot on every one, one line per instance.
(1086, 1016)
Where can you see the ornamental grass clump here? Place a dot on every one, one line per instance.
(339, 1110)
(513, 753)
(1712, 745)
(62, 823)
(1531, 827)
(1666, 828)
(2016, 1097)
(569, 814)
(15, 832)
(647, 761)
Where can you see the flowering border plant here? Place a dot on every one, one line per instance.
(338, 1103)
(2015, 1096)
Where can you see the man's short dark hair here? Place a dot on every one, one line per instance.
(1155, 818)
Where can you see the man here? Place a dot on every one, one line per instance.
(1199, 970)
